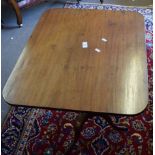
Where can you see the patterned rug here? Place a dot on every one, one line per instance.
(31, 131)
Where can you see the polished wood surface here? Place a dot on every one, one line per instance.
(55, 71)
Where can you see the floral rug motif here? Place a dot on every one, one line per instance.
(32, 131)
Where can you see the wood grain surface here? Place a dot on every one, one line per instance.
(54, 70)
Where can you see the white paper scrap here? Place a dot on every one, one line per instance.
(103, 39)
(97, 50)
(85, 44)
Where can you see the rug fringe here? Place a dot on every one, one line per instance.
(87, 3)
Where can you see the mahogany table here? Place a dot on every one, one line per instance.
(107, 75)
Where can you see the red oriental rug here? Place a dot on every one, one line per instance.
(31, 131)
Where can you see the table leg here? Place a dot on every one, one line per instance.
(101, 1)
(78, 1)
(2, 24)
(17, 11)
(108, 119)
(84, 117)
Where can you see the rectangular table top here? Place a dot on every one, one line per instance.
(87, 60)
